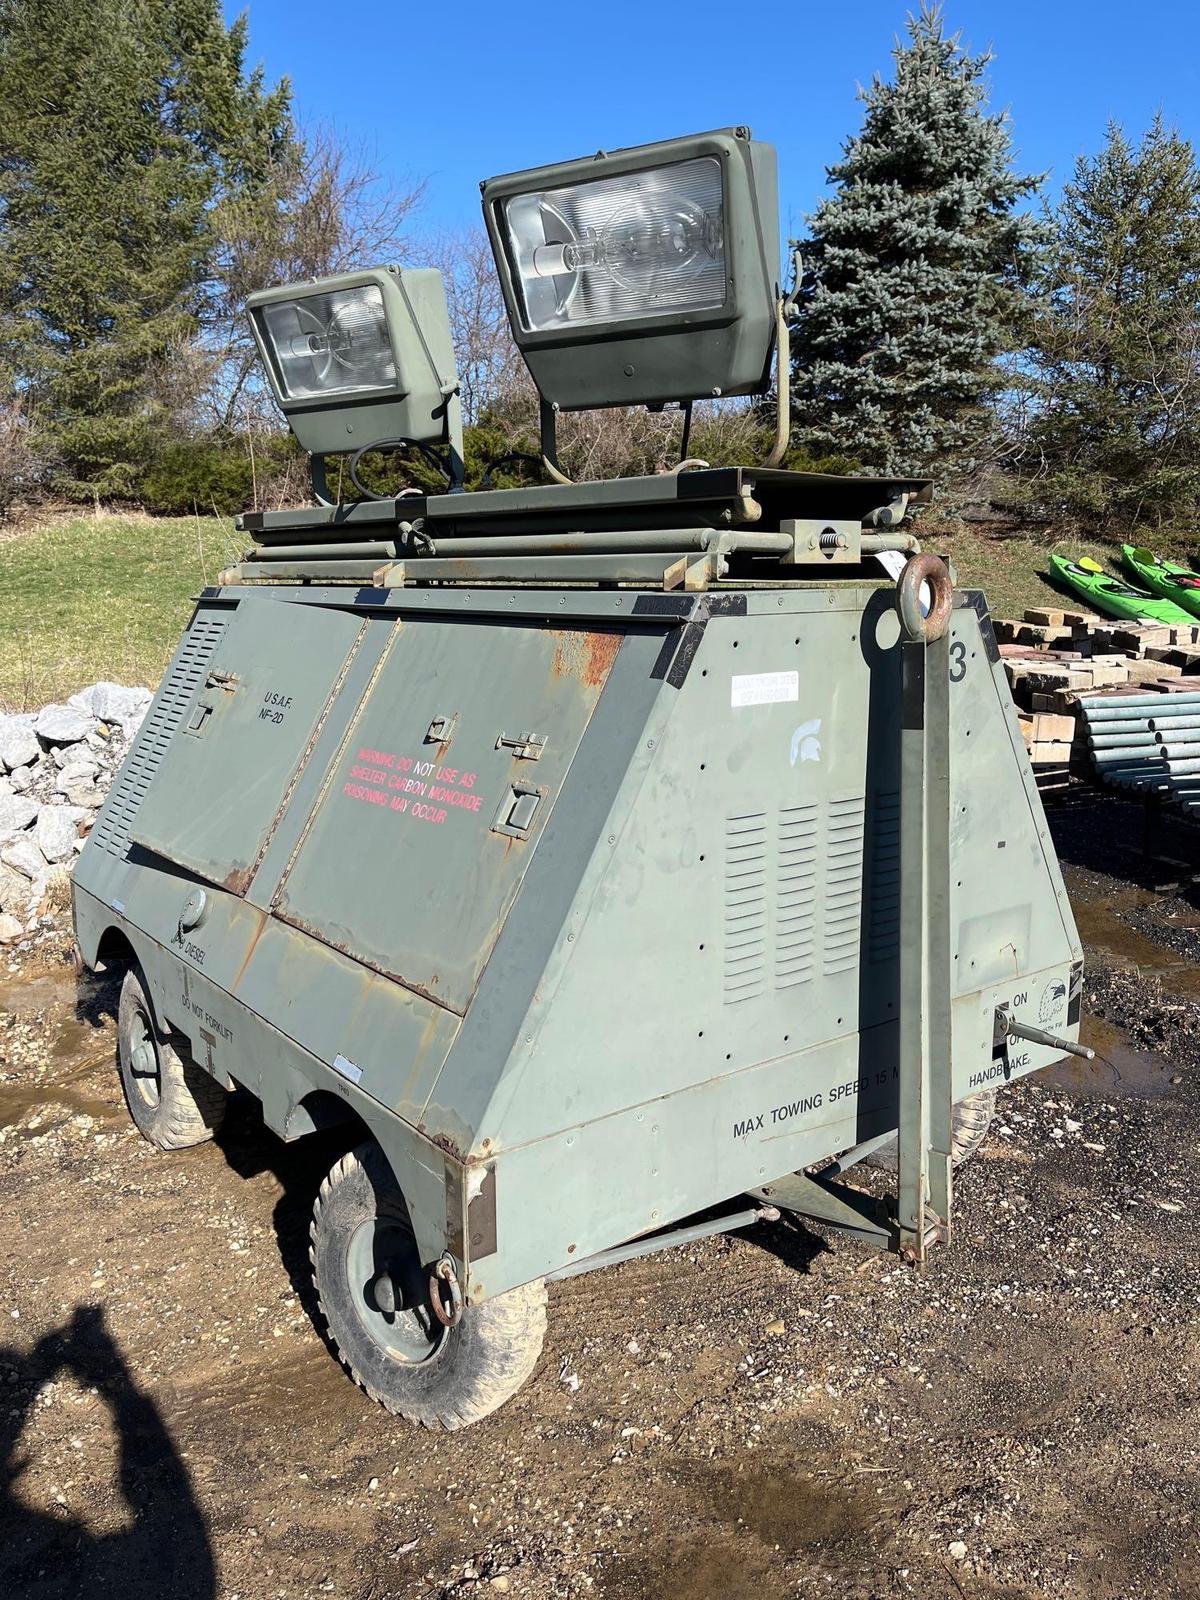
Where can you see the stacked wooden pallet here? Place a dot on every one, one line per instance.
(1053, 657)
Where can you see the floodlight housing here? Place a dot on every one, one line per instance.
(360, 357)
(642, 276)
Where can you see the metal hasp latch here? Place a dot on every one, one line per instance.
(203, 709)
(524, 746)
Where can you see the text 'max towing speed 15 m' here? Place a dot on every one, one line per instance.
(595, 854)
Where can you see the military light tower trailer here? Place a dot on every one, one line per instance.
(599, 854)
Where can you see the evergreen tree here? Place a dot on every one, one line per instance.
(122, 123)
(916, 268)
(1118, 343)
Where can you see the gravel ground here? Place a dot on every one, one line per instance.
(774, 1414)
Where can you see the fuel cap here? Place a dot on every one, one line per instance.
(193, 911)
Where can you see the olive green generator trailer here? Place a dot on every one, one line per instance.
(599, 857)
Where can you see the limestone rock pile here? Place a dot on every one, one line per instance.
(56, 766)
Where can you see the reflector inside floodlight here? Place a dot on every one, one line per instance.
(609, 249)
(330, 344)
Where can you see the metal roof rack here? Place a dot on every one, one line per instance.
(672, 530)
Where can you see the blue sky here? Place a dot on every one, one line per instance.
(459, 92)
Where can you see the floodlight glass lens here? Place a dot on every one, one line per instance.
(637, 245)
(331, 343)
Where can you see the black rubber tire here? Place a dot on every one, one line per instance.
(474, 1368)
(969, 1124)
(185, 1105)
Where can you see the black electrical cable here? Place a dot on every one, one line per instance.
(427, 451)
(536, 462)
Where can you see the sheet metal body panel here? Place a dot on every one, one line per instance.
(748, 908)
(220, 785)
(452, 767)
(681, 980)
(278, 1069)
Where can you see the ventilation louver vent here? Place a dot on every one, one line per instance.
(184, 677)
(794, 891)
(796, 877)
(745, 906)
(843, 885)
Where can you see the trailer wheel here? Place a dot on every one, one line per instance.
(173, 1102)
(969, 1124)
(373, 1291)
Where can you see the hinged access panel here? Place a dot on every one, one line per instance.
(416, 850)
(250, 725)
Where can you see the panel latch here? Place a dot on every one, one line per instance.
(524, 746)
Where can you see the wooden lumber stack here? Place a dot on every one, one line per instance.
(1051, 657)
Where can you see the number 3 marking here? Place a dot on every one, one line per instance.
(958, 661)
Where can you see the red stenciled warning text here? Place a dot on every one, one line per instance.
(422, 790)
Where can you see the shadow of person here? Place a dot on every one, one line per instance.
(163, 1547)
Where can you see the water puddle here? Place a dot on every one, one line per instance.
(1101, 927)
(22, 996)
(17, 1100)
(54, 1046)
(1118, 1069)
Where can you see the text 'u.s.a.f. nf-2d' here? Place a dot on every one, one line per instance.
(594, 854)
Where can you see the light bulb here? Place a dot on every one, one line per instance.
(331, 343)
(621, 247)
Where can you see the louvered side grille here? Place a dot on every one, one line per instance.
(131, 784)
(745, 906)
(795, 879)
(794, 887)
(843, 886)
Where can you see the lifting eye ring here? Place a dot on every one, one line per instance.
(444, 1274)
(920, 570)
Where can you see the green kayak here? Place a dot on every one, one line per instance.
(1112, 596)
(1170, 579)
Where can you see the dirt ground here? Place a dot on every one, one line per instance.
(772, 1414)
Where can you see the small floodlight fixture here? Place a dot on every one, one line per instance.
(363, 360)
(643, 276)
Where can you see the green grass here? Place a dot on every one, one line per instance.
(1012, 570)
(99, 597)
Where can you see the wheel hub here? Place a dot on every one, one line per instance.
(390, 1290)
(143, 1063)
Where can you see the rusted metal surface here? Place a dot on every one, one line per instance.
(586, 656)
(238, 880)
(345, 945)
(445, 1276)
(918, 571)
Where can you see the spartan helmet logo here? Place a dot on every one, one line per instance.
(806, 742)
(1052, 997)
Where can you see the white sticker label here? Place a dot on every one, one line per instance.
(764, 688)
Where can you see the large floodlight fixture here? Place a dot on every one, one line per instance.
(642, 276)
(361, 360)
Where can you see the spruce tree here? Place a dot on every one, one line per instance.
(121, 124)
(915, 270)
(1118, 343)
